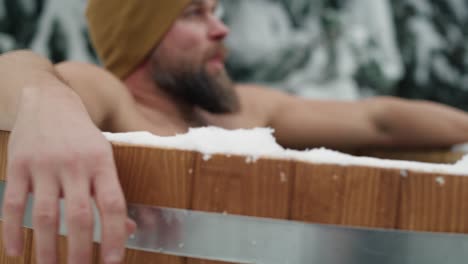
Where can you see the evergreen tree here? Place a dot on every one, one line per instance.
(433, 38)
(53, 28)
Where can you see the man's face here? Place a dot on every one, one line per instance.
(189, 62)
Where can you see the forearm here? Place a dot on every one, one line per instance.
(341, 125)
(419, 123)
(55, 150)
(30, 83)
(377, 122)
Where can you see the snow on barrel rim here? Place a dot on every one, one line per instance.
(260, 143)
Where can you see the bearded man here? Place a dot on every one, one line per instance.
(164, 73)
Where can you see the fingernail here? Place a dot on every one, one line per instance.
(113, 257)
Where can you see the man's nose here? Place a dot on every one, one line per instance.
(218, 30)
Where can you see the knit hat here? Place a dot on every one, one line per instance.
(123, 32)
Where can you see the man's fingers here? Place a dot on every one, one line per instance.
(14, 204)
(130, 225)
(112, 208)
(79, 215)
(45, 216)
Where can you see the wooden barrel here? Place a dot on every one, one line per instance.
(429, 155)
(284, 189)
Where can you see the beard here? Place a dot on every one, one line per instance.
(214, 93)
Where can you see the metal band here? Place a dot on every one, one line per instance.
(243, 239)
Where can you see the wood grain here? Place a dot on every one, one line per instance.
(25, 258)
(431, 156)
(4, 136)
(318, 193)
(346, 195)
(62, 250)
(237, 185)
(155, 176)
(434, 202)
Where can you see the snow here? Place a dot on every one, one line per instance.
(440, 180)
(259, 142)
(69, 14)
(209, 141)
(463, 162)
(423, 7)
(283, 177)
(461, 148)
(377, 26)
(428, 41)
(279, 44)
(445, 71)
(459, 8)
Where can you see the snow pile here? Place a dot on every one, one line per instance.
(210, 140)
(259, 142)
(326, 156)
(461, 148)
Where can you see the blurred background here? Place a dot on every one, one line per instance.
(327, 49)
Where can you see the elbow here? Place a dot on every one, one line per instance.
(384, 112)
(380, 107)
(384, 101)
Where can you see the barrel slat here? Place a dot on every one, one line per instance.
(318, 193)
(241, 185)
(434, 202)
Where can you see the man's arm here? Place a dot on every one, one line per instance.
(55, 147)
(22, 73)
(375, 122)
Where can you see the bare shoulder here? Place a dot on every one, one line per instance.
(103, 94)
(259, 102)
(88, 78)
(87, 73)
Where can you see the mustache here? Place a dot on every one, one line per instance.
(220, 51)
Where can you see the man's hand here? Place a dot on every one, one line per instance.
(55, 150)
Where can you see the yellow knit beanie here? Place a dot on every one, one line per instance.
(123, 32)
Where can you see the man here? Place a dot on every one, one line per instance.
(169, 58)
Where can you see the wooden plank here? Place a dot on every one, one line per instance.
(4, 136)
(237, 185)
(346, 195)
(155, 177)
(434, 202)
(371, 197)
(330, 194)
(318, 193)
(432, 156)
(25, 258)
(62, 251)
(137, 257)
